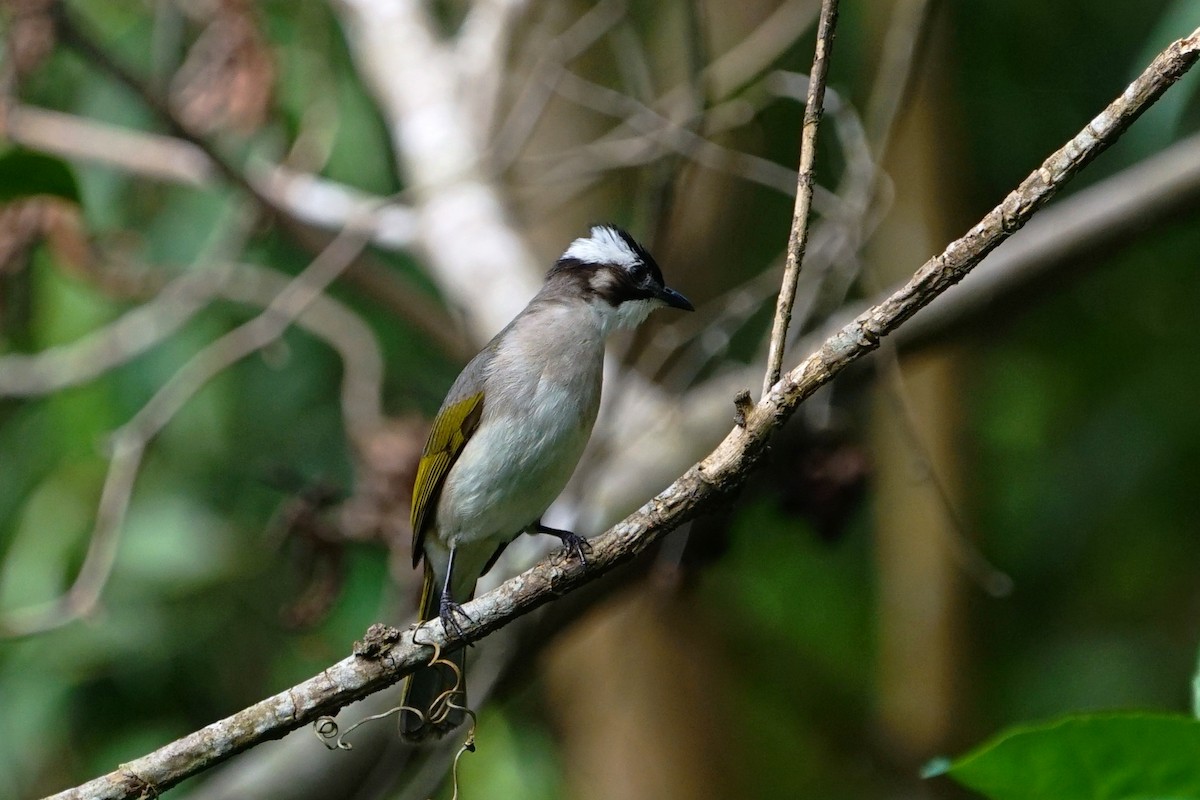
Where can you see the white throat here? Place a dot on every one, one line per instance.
(629, 314)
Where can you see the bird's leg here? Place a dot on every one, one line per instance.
(447, 608)
(573, 543)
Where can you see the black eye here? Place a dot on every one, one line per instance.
(638, 272)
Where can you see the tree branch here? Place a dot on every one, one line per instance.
(491, 272)
(387, 654)
(299, 202)
(1104, 215)
(1101, 216)
(481, 49)
(306, 197)
(798, 238)
(130, 441)
(75, 34)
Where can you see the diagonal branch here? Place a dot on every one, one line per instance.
(387, 654)
(1096, 219)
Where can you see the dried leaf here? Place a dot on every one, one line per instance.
(379, 508)
(31, 33)
(29, 221)
(226, 80)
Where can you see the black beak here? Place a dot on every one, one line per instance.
(674, 299)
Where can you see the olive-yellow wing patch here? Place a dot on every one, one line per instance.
(451, 429)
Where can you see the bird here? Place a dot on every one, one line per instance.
(508, 436)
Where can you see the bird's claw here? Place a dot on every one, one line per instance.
(448, 612)
(573, 544)
(577, 546)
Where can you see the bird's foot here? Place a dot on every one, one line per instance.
(573, 543)
(449, 612)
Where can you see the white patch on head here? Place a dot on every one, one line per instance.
(604, 246)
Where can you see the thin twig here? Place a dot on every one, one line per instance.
(798, 238)
(108, 347)
(1050, 250)
(388, 654)
(152, 155)
(526, 112)
(656, 135)
(650, 131)
(756, 52)
(311, 200)
(832, 260)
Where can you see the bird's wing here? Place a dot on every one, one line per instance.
(452, 429)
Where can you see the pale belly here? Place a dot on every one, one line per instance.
(511, 470)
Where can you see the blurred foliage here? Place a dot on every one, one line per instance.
(1081, 442)
(26, 174)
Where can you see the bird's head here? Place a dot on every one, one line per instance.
(615, 276)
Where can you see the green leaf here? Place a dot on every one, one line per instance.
(1119, 756)
(24, 173)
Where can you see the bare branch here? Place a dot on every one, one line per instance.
(78, 37)
(1102, 214)
(750, 57)
(333, 323)
(756, 52)
(309, 198)
(328, 204)
(32, 375)
(130, 441)
(469, 246)
(656, 134)
(165, 158)
(846, 222)
(399, 222)
(798, 238)
(387, 654)
(248, 337)
(666, 125)
(481, 51)
(535, 94)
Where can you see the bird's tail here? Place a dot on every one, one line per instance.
(438, 691)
